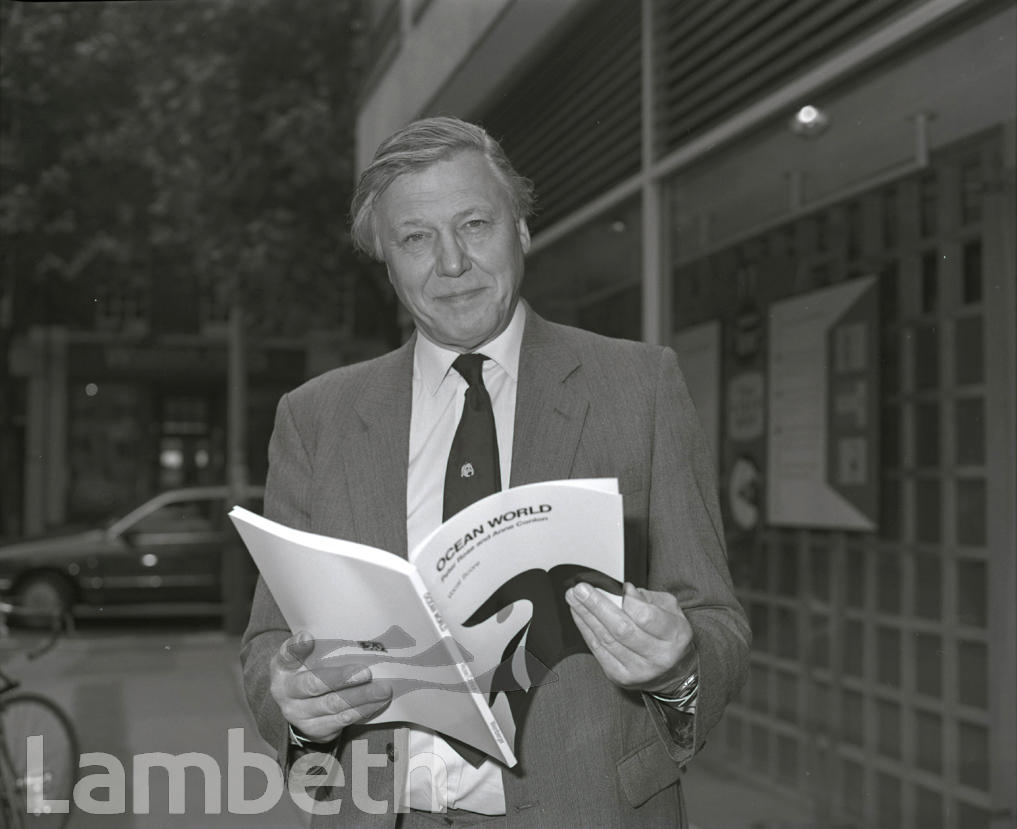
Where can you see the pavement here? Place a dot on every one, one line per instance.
(181, 692)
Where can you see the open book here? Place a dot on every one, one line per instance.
(473, 620)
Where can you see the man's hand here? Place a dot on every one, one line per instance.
(310, 705)
(646, 645)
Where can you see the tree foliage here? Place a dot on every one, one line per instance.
(196, 142)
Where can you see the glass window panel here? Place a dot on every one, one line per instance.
(927, 434)
(973, 674)
(787, 633)
(760, 566)
(928, 510)
(821, 707)
(974, 755)
(971, 291)
(889, 437)
(971, 510)
(889, 361)
(787, 576)
(853, 219)
(972, 599)
(890, 517)
(928, 808)
(854, 648)
(888, 811)
(928, 587)
(928, 206)
(852, 717)
(787, 759)
(890, 217)
(928, 664)
(970, 430)
(972, 817)
(759, 621)
(853, 787)
(972, 186)
(787, 696)
(733, 727)
(820, 557)
(929, 741)
(821, 641)
(969, 351)
(888, 714)
(855, 577)
(889, 656)
(758, 686)
(760, 740)
(926, 357)
(822, 229)
(888, 584)
(930, 281)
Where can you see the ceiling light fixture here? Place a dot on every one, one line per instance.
(809, 122)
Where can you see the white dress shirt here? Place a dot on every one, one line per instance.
(438, 396)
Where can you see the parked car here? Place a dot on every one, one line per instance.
(169, 549)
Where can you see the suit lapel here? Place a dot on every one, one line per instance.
(379, 455)
(550, 407)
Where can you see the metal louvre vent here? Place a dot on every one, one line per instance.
(571, 123)
(715, 57)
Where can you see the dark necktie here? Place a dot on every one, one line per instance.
(473, 470)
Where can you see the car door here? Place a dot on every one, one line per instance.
(171, 554)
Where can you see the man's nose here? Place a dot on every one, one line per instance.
(452, 257)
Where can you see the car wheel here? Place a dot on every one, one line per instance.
(47, 596)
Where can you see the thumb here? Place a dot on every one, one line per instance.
(294, 650)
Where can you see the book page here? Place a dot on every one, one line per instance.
(368, 607)
(499, 570)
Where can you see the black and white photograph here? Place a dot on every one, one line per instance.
(508, 414)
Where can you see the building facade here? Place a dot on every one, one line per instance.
(112, 402)
(757, 184)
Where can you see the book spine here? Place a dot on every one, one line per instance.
(464, 671)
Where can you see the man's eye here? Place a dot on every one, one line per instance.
(473, 224)
(413, 238)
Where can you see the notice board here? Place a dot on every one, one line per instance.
(822, 437)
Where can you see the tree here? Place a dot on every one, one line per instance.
(180, 141)
(198, 148)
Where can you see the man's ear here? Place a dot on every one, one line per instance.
(524, 234)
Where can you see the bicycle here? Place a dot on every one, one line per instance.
(23, 789)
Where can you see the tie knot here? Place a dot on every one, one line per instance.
(471, 367)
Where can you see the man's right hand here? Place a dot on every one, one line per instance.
(310, 705)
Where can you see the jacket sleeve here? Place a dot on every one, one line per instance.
(289, 479)
(687, 556)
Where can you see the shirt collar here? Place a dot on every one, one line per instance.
(432, 362)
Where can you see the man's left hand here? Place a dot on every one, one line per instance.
(645, 645)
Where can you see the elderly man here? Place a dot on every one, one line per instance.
(371, 453)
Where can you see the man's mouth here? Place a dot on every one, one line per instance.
(460, 295)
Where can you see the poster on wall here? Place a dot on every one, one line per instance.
(698, 350)
(822, 435)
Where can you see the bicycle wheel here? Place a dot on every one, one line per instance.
(28, 715)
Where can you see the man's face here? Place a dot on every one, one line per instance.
(454, 250)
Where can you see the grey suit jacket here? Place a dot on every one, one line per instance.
(590, 754)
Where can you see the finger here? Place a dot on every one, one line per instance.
(309, 683)
(610, 663)
(351, 704)
(651, 618)
(294, 650)
(661, 598)
(611, 624)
